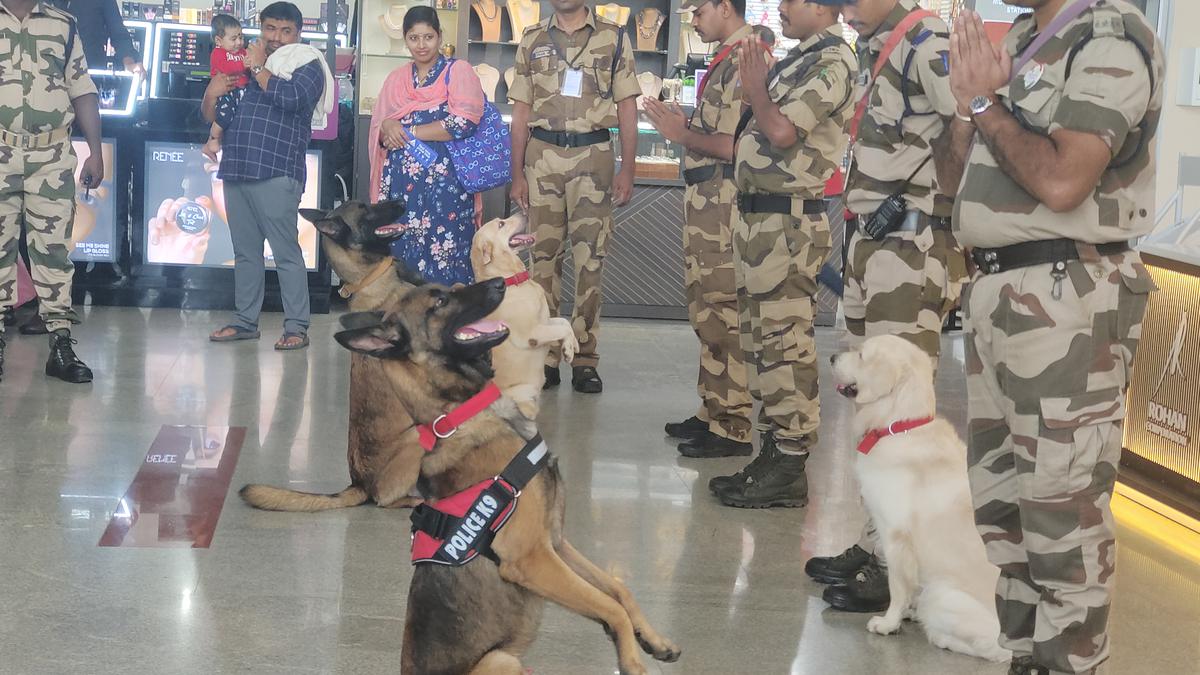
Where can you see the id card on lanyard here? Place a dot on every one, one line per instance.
(572, 81)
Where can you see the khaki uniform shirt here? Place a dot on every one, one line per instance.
(720, 108)
(890, 146)
(814, 93)
(546, 53)
(38, 79)
(1108, 93)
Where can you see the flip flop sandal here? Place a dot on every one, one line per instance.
(284, 346)
(239, 333)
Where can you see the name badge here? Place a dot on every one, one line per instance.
(573, 83)
(541, 52)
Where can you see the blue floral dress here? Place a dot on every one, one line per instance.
(441, 213)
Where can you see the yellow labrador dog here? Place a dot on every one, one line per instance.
(519, 361)
(912, 468)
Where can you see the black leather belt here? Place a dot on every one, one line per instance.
(910, 224)
(765, 203)
(701, 174)
(1030, 253)
(564, 139)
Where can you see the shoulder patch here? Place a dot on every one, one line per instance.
(1107, 21)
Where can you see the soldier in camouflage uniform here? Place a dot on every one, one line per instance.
(574, 81)
(44, 87)
(905, 283)
(1059, 177)
(721, 428)
(794, 137)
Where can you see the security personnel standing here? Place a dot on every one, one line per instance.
(574, 82)
(794, 139)
(904, 270)
(1057, 140)
(722, 426)
(45, 89)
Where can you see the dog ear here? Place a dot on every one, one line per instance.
(383, 341)
(407, 274)
(330, 227)
(356, 320)
(486, 251)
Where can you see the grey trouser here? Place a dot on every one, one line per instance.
(267, 210)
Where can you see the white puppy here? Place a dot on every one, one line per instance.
(912, 468)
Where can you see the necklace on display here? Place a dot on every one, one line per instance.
(389, 21)
(522, 14)
(479, 8)
(649, 29)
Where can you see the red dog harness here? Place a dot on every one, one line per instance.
(875, 435)
(454, 530)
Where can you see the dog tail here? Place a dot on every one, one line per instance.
(280, 499)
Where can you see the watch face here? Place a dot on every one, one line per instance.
(980, 104)
(192, 218)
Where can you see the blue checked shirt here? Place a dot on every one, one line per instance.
(270, 132)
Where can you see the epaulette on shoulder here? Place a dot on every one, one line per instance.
(1107, 20)
(58, 13)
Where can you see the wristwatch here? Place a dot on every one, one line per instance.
(981, 104)
(258, 69)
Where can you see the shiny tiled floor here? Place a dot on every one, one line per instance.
(324, 593)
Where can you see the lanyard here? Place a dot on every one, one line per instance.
(721, 55)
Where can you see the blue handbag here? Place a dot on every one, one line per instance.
(483, 160)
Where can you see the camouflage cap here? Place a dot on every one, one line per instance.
(686, 6)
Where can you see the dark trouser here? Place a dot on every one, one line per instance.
(266, 211)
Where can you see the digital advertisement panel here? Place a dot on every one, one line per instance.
(93, 234)
(186, 222)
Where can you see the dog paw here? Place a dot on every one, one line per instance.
(665, 650)
(881, 625)
(635, 668)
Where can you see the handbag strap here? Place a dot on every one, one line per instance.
(1064, 17)
(894, 39)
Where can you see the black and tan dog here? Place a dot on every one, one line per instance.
(480, 617)
(382, 453)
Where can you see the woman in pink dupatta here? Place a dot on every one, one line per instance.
(435, 100)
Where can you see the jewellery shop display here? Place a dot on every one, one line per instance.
(649, 23)
(651, 85)
(614, 13)
(522, 14)
(489, 21)
(489, 77)
(509, 76)
(392, 21)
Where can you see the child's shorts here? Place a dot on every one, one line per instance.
(227, 107)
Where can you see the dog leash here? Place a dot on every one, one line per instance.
(895, 428)
(446, 425)
(376, 273)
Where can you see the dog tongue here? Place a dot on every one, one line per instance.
(484, 327)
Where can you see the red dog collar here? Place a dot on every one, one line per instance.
(519, 278)
(875, 435)
(446, 425)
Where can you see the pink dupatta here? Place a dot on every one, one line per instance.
(399, 98)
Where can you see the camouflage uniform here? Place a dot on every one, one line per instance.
(708, 260)
(778, 255)
(1048, 356)
(570, 189)
(905, 284)
(38, 81)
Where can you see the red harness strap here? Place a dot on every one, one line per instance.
(446, 425)
(875, 435)
(518, 278)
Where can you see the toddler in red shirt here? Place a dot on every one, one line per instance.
(228, 58)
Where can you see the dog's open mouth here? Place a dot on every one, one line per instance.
(848, 390)
(480, 330)
(390, 231)
(520, 242)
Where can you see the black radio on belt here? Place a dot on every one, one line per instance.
(891, 213)
(887, 218)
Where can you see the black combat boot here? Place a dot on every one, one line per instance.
(586, 380)
(1024, 665)
(553, 379)
(709, 445)
(765, 458)
(687, 429)
(781, 481)
(866, 592)
(63, 363)
(837, 569)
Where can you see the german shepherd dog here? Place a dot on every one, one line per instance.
(479, 618)
(382, 453)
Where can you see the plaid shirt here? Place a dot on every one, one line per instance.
(270, 132)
